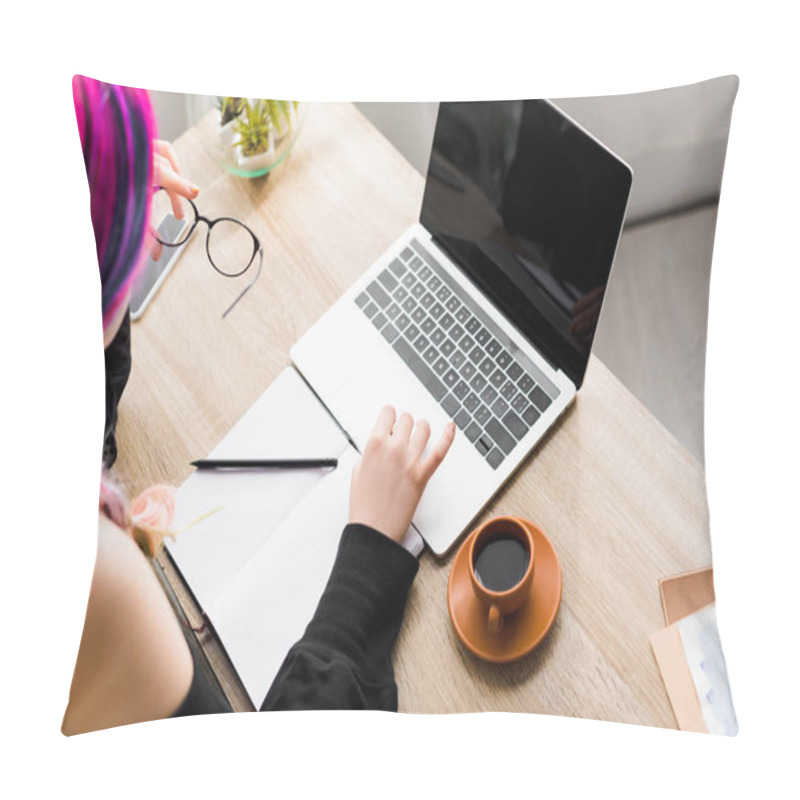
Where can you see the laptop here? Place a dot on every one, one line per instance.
(484, 310)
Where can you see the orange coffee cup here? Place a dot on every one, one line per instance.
(501, 561)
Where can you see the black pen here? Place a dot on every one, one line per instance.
(264, 463)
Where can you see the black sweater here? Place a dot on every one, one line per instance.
(343, 659)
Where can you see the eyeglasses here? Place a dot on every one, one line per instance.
(230, 245)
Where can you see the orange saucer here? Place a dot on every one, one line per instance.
(521, 631)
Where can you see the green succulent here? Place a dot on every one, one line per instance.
(230, 108)
(255, 118)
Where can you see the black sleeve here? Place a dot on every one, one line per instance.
(343, 660)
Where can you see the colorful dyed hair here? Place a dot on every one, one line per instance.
(117, 127)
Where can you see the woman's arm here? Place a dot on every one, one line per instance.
(133, 663)
(344, 658)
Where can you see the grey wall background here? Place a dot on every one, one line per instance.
(652, 331)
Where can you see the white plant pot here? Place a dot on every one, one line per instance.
(258, 161)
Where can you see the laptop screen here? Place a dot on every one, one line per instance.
(530, 207)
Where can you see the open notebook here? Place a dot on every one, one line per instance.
(258, 566)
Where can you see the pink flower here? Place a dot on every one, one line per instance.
(151, 516)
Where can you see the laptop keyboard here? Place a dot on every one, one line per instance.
(457, 353)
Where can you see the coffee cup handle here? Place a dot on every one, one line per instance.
(495, 619)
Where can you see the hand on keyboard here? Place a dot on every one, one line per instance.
(392, 473)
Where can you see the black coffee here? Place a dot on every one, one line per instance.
(501, 564)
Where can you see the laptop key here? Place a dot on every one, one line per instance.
(503, 359)
(450, 378)
(425, 273)
(418, 289)
(456, 333)
(379, 320)
(427, 301)
(487, 366)
(501, 436)
(489, 395)
(388, 280)
(472, 402)
(378, 295)
(519, 403)
(495, 458)
(499, 407)
(515, 424)
(462, 315)
(393, 311)
(478, 382)
(434, 283)
(473, 326)
(400, 294)
(493, 348)
(461, 390)
(530, 415)
(421, 344)
(418, 314)
(390, 333)
(402, 322)
(440, 367)
(482, 415)
(457, 358)
(443, 294)
(540, 398)
(462, 419)
(451, 405)
(419, 368)
(467, 370)
(508, 391)
(484, 444)
(453, 304)
(362, 299)
(411, 333)
(409, 280)
(526, 383)
(427, 325)
(407, 254)
(437, 337)
(514, 371)
(497, 378)
(483, 336)
(446, 322)
(415, 263)
(466, 343)
(398, 268)
(409, 305)
(430, 354)
(476, 355)
(437, 309)
(371, 309)
(472, 432)
(447, 348)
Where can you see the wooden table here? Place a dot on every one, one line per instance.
(622, 501)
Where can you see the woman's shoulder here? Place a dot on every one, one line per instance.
(133, 663)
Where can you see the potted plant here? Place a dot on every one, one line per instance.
(256, 132)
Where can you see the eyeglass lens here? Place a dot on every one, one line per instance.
(230, 245)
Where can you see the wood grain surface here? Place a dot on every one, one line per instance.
(622, 501)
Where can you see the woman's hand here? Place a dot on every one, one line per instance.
(167, 174)
(391, 475)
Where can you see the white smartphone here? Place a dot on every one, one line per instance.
(154, 273)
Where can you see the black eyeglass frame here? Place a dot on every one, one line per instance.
(258, 249)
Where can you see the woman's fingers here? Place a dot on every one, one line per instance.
(383, 425)
(402, 428)
(165, 176)
(437, 453)
(165, 149)
(422, 432)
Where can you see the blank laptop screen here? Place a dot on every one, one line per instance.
(530, 207)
